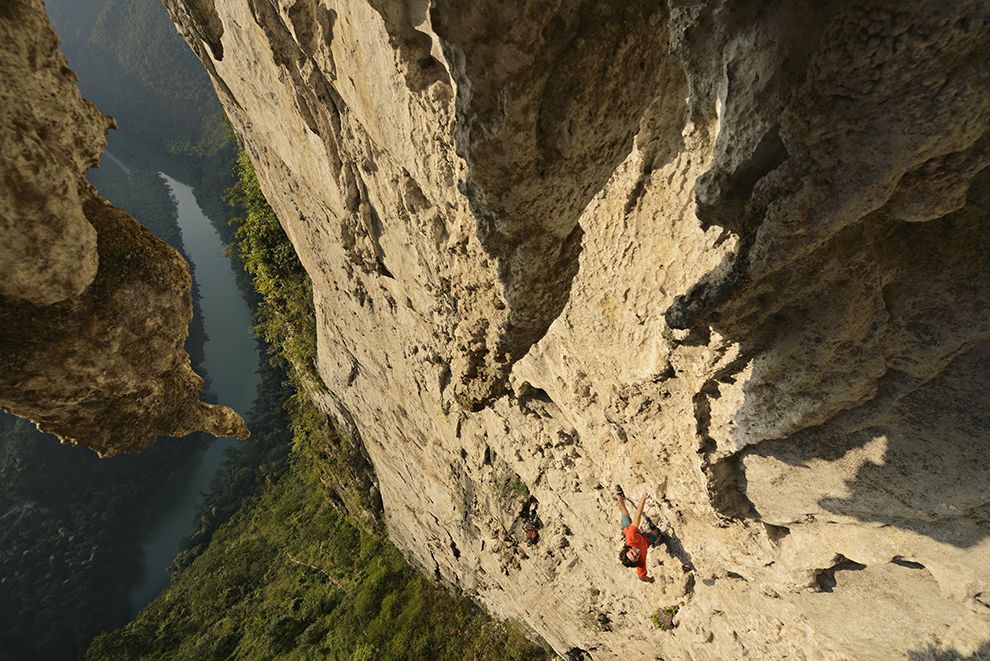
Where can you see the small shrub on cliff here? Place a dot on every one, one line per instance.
(509, 486)
(512, 487)
(663, 618)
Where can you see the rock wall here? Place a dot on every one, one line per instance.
(94, 310)
(729, 253)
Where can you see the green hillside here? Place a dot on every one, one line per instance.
(289, 577)
(133, 64)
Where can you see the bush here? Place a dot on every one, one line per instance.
(281, 633)
(663, 618)
(286, 317)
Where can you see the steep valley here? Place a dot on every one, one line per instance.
(731, 254)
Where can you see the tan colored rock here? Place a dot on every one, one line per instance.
(94, 309)
(48, 247)
(731, 253)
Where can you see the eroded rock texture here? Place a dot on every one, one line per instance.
(732, 253)
(94, 310)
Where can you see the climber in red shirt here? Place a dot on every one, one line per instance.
(633, 553)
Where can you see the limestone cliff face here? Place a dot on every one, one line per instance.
(730, 253)
(94, 310)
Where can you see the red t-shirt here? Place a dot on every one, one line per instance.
(636, 540)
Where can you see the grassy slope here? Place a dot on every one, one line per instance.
(289, 577)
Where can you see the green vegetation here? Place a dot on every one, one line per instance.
(513, 488)
(509, 486)
(339, 463)
(285, 318)
(289, 577)
(663, 618)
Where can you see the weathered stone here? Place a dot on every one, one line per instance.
(729, 252)
(94, 309)
(48, 247)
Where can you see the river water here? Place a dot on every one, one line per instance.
(230, 364)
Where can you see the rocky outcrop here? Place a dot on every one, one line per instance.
(94, 310)
(732, 253)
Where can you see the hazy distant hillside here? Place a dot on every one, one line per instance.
(134, 66)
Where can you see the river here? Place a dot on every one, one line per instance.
(230, 364)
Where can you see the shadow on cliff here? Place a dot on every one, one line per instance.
(937, 462)
(856, 291)
(676, 549)
(933, 654)
(929, 406)
(933, 475)
(545, 129)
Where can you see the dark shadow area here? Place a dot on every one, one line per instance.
(880, 336)
(907, 564)
(730, 194)
(933, 654)
(776, 533)
(934, 474)
(825, 578)
(934, 478)
(673, 543)
(853, 326)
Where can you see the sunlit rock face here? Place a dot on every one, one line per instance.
(730, 253)
(94, 310)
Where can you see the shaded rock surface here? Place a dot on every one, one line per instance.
(94, 310)
(731, 253)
